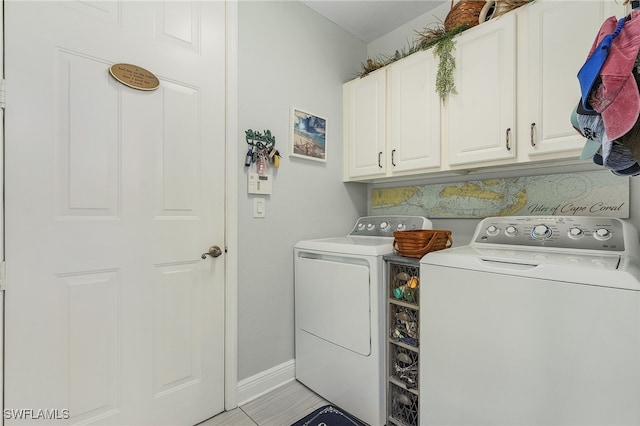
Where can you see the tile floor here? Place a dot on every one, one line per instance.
(280, 407)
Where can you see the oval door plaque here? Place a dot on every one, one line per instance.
(134, 76)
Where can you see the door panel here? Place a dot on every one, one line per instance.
(110, 311)
(92, 333)
(342, 285)
(177, 343)
(87, 175)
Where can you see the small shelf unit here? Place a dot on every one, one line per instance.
(403, 344)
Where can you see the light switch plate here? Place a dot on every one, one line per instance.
(259, 207)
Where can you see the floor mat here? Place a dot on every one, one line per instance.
(328, 416)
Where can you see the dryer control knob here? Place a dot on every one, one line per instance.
(384, 225)
(492, 230)
(360, 226)
(371, 227)
(541, 232)
(511, 231)
(400, 227)
(575, 233)
(602, 234)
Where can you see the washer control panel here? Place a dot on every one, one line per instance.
(385, 226)
(578, 233)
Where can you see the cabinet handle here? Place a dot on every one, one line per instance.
(508, 139)
(393, 157)
(380, 159)
(533, 133)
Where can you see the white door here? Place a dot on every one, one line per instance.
(112, 195)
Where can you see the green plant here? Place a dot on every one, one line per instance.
(443, 50)
(445, 81)
(443, 46)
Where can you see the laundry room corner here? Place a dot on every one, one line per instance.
(289, 57)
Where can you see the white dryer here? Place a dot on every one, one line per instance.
(535, 322)
(340, 315)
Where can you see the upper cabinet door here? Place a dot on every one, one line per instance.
(365, 125)
(482, 115)
(560, 36)
(415, 113)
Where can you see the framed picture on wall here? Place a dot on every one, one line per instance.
(308, 135)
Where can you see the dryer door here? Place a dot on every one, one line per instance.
(333, 300)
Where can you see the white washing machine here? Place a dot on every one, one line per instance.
(535, 322)
(339, 314)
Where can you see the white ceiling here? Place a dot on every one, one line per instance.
(371, 19)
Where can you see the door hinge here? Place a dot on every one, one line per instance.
(3, 275)
(3, 93)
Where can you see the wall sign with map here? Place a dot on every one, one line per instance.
(598, 193)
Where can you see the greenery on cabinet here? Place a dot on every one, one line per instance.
(426, 40)
(441, 39)
(445, 81)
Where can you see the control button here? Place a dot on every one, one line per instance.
(575, 233)
(492, 230)
(602, 234)
(400, 226)
(370, 227)
(541, 232)
(384, 225)
(511, 231)
(360, 226)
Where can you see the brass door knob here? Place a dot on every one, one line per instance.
(214, 251)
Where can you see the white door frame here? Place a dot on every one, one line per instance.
(2, 278)
(231, 225)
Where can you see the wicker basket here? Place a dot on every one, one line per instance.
(463, 12)
(420, 242)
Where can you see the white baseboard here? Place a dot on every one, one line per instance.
(265, 381)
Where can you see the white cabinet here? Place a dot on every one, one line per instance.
(560, 35)
(482, 114)
(365, 125)
(516, 87)
(392, 120)
(414, 114)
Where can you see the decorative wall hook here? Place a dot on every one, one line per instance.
(261, 150)
(259, 140)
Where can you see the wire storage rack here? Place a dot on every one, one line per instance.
(403, 340)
